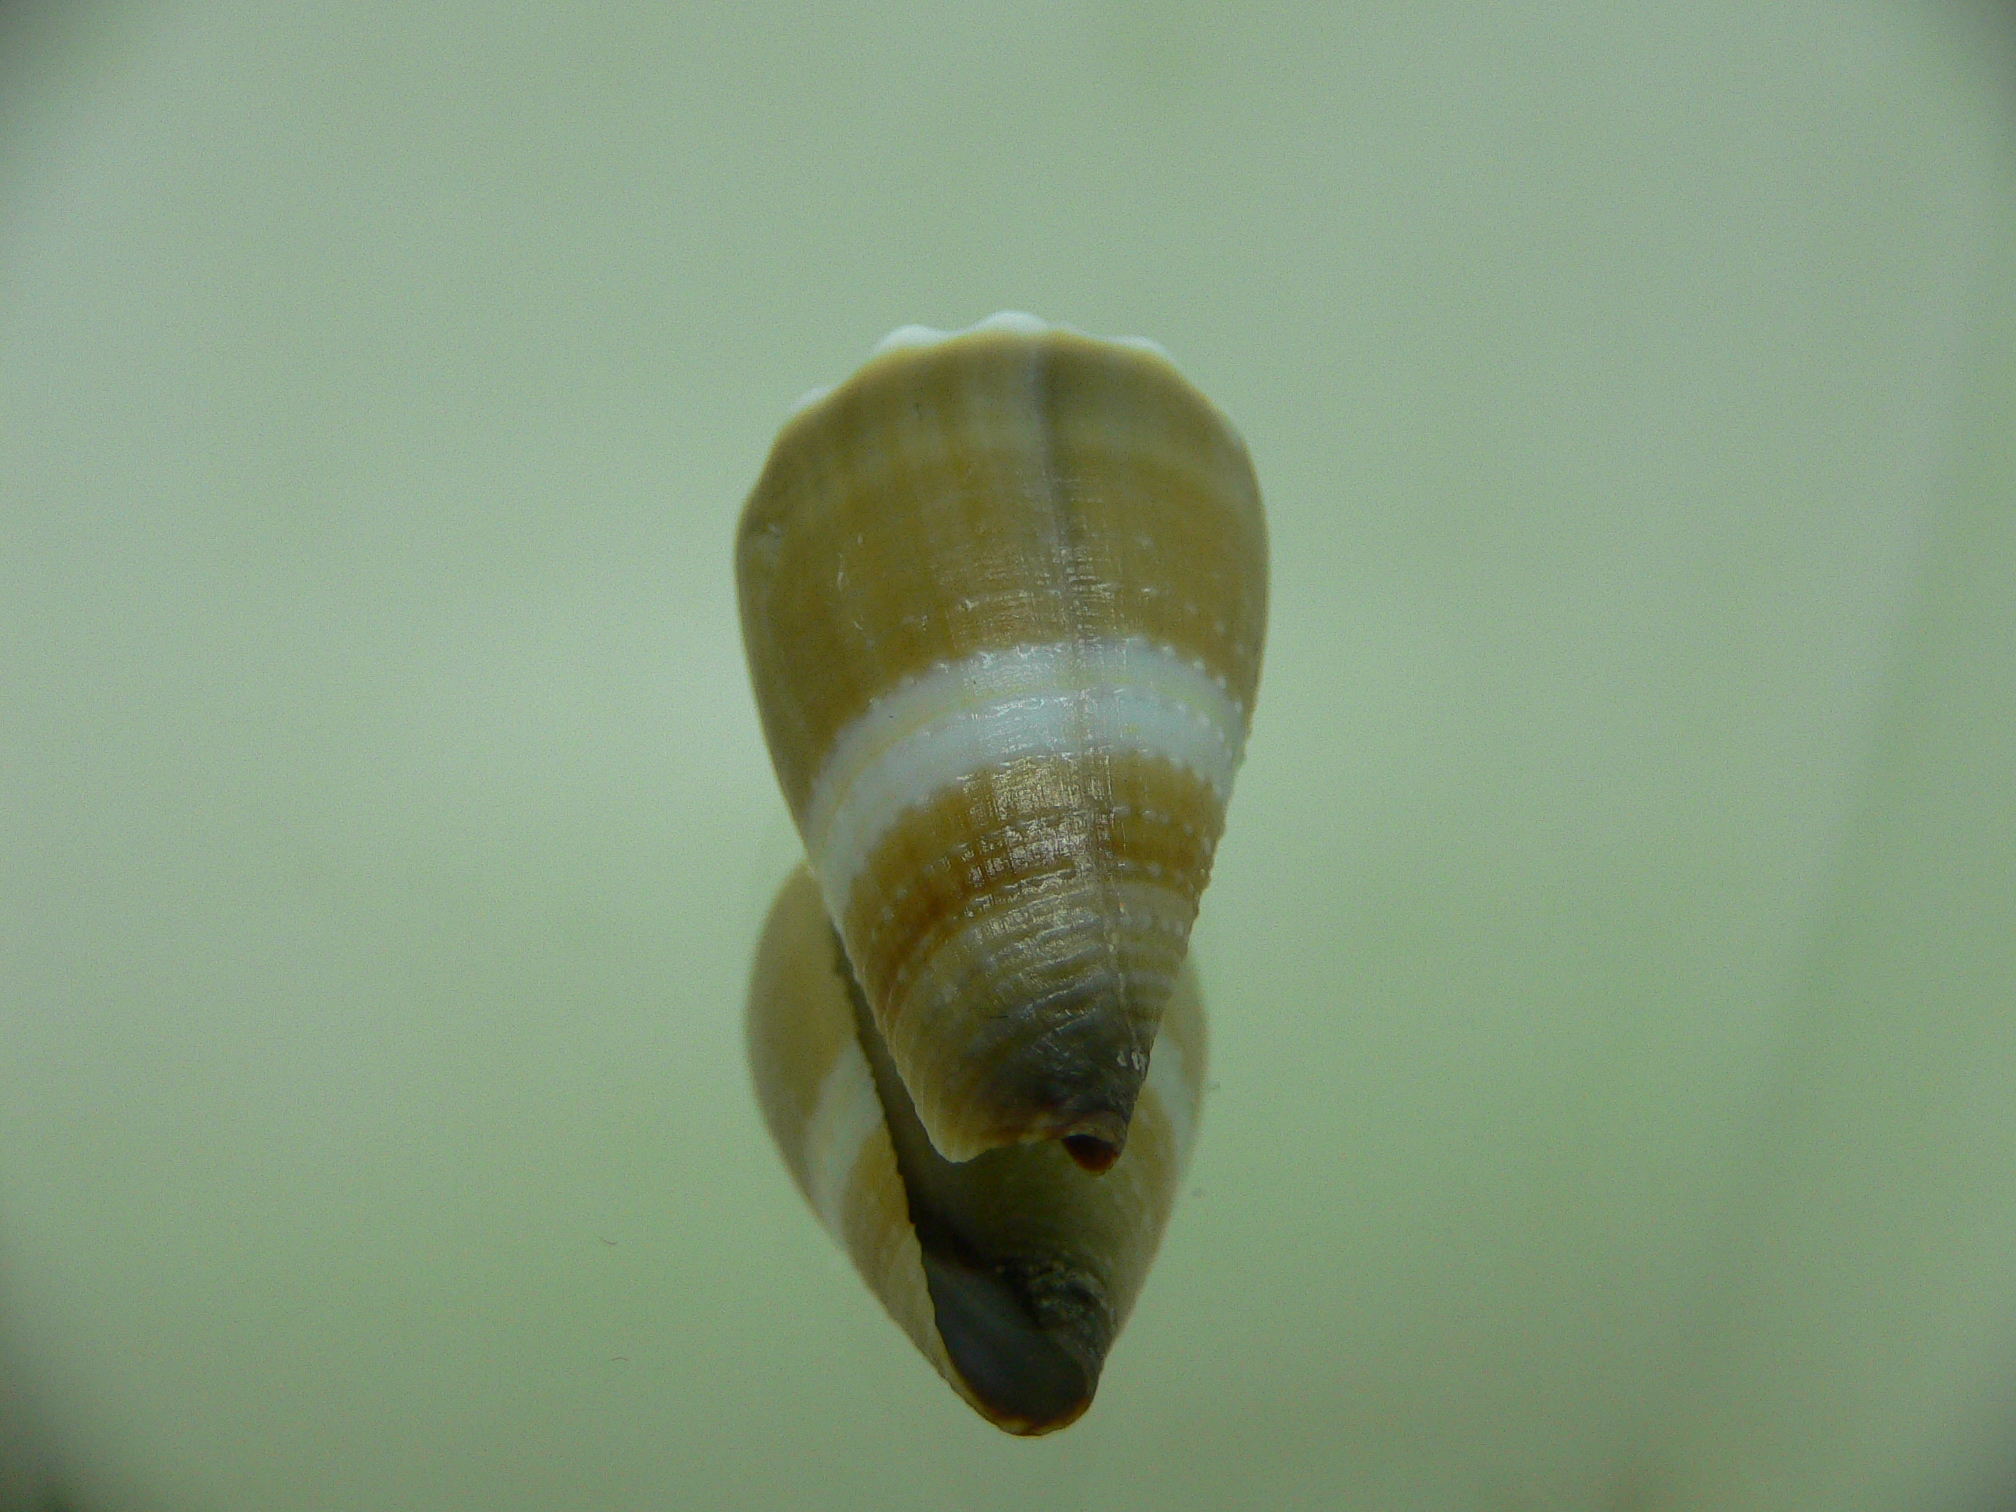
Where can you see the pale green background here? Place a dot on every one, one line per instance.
(1611, 950)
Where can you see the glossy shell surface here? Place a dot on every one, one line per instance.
(1003, 596)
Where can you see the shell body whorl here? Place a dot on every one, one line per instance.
(1003, 597)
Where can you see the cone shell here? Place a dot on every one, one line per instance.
(1003, 597)
(1012, 1272)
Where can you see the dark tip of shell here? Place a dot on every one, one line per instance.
(1076, 1084)
(1028, 1346)
(1092, 1153)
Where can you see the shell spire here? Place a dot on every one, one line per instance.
(1012, 1272)
(1003, 597)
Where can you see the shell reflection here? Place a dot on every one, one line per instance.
(1012, 1272)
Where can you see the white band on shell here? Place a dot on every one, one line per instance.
(1124, 695)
